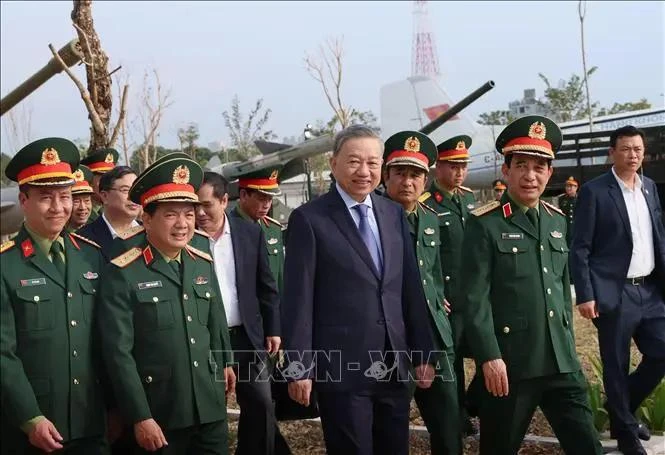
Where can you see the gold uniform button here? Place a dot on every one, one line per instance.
(551, 313)
(542, 248)
(514, 249)
(462, 218)
(192, 340)
(428, 301)
(76, 381)
(148, 379)
(155, 299)
(70, 295)
(74, 323)
(545, 269)
(75, 354)
(207, 295)
(424, 281)
(549, 291)
(185, 296)
(446, 223)
(274, 251)
(189, 318)
(196, 364)
(417, 243)
(506, 329)
(432, 243)
(421, 262)
(36, 298)
(447, 278)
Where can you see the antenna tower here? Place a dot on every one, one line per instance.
(424, 58)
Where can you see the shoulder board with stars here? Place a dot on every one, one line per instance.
(127, 257)
(131, 232)
(423, 197)
(482, 210)
(85, 239)
(427, 207)
(549, 207)
(199, 253)
(274, 221)
(203, 233)
(464, 188)
(7, 245)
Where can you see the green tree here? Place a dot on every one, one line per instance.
(568, 102)
(188, 137)
(243, 133)
(4, 160)
(495, 118)
(157, 152)
(618, 108)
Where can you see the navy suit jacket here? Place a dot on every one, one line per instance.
(335, 302)
(603, 244)
(258, 297)
(98, 232)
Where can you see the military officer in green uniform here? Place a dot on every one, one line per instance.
(407, 158)
(567, 205)
(50, 371)
(81, 198)
(452, 202)
(164, 333)
(499, 187)
(257, 190)
(517, 303)
(99, 162)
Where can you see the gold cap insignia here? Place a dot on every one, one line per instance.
(78, 175)
(537, 130)
(412, 144)
(109, 158)
(181, 175)
(274, 174)
(460, 145)
(50, 157)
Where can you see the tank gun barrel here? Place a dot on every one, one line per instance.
(69, 53)
(454, 110)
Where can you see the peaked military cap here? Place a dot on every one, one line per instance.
(173, 178)
(531, 135)
(571, 181)
(48, 161)
(264, 181)
(102, 160)
(499, 184)
(409, 148)
(455, 149)
(82, 181)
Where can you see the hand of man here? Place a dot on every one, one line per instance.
(273, 344)
(229, 380)
(446, 306)
(114, 425)
(588, 310)
(149, 436)
(45, 436)
(299, 391)
(424, 376)
(496, 377)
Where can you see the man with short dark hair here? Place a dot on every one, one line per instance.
(499, 187)
(251, 302)
(99, 161)
(618, 261)
(81, 198)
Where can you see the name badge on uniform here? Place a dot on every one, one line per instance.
(272, 241)
(429, 231)
(33, 282)
(90, 276)
(200, 280)
(512, 236)
(150, 285)
(443, 214)
(556, 234)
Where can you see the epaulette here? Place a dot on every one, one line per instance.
(199, 253)
(427, 207)
(486, 208)
(7, 245)
(131, 232)
(203, 233)
(423, 197)
(85, 239)
(127, 257)
(468, 190)
(553, 207)
(273, 220)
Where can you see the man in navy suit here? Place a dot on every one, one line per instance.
(119, 214)
(251, 304)
(354, 314)
(618, 264)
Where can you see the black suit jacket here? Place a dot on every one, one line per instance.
(336, 303)
(258, 297)
(603, 244)
(98, 232)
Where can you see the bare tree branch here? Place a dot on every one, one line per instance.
(121, 117)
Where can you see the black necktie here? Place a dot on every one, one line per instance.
(532, 214)
(175, 265)
(56, 258)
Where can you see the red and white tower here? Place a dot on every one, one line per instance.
(424, 58)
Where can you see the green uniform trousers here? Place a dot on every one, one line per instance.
(562, 398)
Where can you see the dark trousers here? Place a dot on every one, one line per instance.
(205, 439)
(373, 421)
(562, 398)
(438, 407)
(19, 445)
(640, 316)
(258, 432)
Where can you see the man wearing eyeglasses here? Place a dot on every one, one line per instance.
(119, 214)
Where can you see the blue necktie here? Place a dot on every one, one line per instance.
(368, 237)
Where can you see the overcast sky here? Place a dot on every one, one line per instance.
(206, 52)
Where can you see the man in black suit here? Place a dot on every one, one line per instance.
(251, 303)
(618, 264)
(119, 214)
(353, 306)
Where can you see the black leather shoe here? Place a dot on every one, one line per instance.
(631, 446)
(642, 432)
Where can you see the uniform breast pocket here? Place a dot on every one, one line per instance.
(431, 246)
(154, 311)
(446, 232)
(274, 246)
(34, 309)
(559, 251)
(204, 294)
(513, 258)
(88, 289)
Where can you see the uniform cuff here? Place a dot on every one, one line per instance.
(30, 424)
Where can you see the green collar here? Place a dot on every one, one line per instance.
(521, 206)
(43, 243)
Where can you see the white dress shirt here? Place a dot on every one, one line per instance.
(643, 260)
(225, 269)
(114, 234)
(350, 203)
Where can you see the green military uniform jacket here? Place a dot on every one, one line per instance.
(272, 231)
(95, 212)
(517, 303)
(135, 236)
(452, 220)
(164, 337)
(50, 354)
(567, 206)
